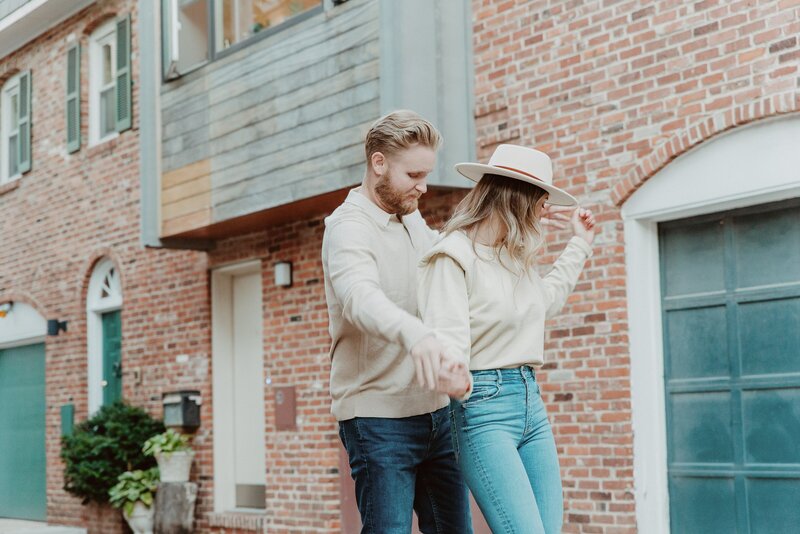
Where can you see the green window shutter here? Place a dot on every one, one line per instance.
(124, 105)
(74, 98)
(24, 122)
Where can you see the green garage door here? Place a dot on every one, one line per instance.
(731, 319)
(22, 437)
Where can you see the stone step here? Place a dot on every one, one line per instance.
(15, 526)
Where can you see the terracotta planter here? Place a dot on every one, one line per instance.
(175, 466)
(141, 519)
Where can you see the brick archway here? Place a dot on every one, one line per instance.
(698, 133)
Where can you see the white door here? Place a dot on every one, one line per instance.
(238, 360)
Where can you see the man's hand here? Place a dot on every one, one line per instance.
(427, 356)
(454, 377)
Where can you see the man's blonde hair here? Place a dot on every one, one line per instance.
(399, 130)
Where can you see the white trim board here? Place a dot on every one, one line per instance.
(22, 326)
(750, 165)
(34, 18)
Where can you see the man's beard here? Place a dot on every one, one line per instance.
(393, 200)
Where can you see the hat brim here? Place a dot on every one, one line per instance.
(475, 171)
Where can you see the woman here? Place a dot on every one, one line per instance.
(480, 292)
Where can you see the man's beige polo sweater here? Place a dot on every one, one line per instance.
(370, 259)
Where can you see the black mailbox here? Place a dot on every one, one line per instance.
(182, 409)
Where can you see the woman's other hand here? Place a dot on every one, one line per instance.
(583, 224)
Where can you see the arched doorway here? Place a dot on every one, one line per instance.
(104, 335)
(711, 244)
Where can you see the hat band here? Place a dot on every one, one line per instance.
(529, 175)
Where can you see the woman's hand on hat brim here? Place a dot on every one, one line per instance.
(556, 216)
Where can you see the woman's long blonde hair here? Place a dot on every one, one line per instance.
(513, 205)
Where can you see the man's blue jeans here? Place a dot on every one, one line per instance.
(405, 463)
(507, 453)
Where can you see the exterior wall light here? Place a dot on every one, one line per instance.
(54, 326)
(283, 274)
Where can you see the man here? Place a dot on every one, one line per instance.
(386, 364)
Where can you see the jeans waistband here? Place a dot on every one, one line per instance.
(505, 375)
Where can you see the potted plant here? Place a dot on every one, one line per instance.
(103, 446)
(134, 494)
(173, 454)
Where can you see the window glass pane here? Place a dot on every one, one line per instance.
(193, 35)
(107, 124)
(13, 164)
(13, 116)
(108, 68)
(244, 18)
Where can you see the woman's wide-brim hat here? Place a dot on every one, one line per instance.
(520, 163)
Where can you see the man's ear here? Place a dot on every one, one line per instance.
(378, 163)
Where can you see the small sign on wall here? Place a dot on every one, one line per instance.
(285, 408)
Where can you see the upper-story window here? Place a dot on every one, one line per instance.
(196, 31)
(10, 129)
(102, 83)
(238, 20)
(110, 86)
(15, 100)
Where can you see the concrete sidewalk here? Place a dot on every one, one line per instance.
(16, 526)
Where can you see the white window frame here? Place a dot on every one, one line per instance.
(11, 87)
(102, 280)
(105, 34)
(746, 166)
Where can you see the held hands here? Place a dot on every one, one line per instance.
(427, 356)
(438, 370)
(454, 378)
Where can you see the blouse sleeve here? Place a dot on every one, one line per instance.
(443, 303)
(560, 282)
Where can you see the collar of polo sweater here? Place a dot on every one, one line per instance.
(359, 199)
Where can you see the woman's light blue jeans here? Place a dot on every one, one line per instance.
(507, 454)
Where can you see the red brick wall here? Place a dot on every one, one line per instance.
(64, 215)
(302, 465)
(614, 90)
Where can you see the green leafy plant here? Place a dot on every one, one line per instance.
(134, 486)
(166, 443)
(103, 446)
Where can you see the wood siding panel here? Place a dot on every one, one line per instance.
(279, 121)
(186, 223)
(185, 190)
(186, 174)
(186, 205)
(186, 198)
